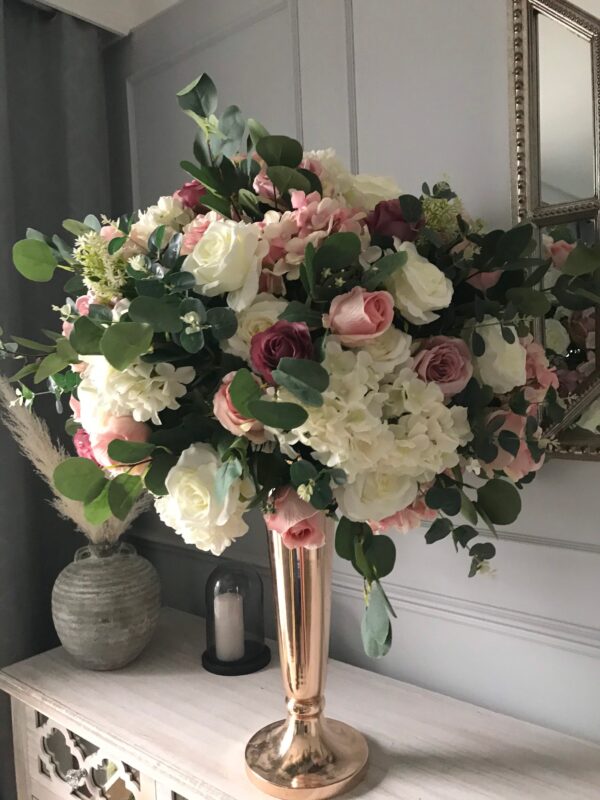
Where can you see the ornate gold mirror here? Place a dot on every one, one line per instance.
(556, 185)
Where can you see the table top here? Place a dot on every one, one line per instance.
(188, 728)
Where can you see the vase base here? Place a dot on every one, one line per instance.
(306, 761)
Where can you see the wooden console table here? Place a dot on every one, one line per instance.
(164, 729)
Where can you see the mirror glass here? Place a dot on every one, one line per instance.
(571, 328)
(566, 118)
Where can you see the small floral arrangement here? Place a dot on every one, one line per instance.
(282, 334)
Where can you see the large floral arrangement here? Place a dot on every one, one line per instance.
(280, 333)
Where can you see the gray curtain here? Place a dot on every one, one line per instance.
(53, 164)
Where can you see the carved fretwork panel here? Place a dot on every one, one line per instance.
(73, 767)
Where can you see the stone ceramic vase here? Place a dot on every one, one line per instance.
(105, 605)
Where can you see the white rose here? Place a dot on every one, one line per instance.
(368, 190)
(228, 258)
(590, 419)
(376, 494)
(502, 365)
(557, 336)
(260, 315)
(419, 287)
(389, 351)
(194, 507)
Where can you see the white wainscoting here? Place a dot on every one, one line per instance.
(417, 89)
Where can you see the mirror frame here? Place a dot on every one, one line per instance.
(525, 160)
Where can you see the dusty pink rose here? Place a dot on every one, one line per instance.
(82, 306)
(407, 519)
(194, 231)
(483, 280)
(359, 316)
(540, 375)
(387, 219)
(568, 381)
(298, 523)
(281, 340)
(231, 419)
(125, 428)
(81, 442)
(559, 252)
(445, 360)
(190, 194)
(581, 325)
(515, 467)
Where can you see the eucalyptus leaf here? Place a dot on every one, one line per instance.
(79, 479)
(123, 342)
(500, 501)
(278, 415)
(279, 151)
(34, 259)
(123, 491)
(129, 452)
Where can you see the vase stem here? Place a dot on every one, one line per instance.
(304, 755)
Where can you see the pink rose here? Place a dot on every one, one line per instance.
(559, 252)
(81, 442)
(231, 419)
(125, 428)
(359, 316)
(483, 280)
(444, 360)
(387, 219)
(298, 523)
(515, 467)
(110, 232)
(190, 194)
(263, 186)
(540, 375)
(281, 340)
(407, 519)
(193, 232)
(82, 306)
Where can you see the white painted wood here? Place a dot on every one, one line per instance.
(187, 728)
(118, 16)
(19, 732)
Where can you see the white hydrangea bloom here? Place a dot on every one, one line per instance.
(194, 506)
(347, 430)
(141, 391)
(263, 312)
(427, 434)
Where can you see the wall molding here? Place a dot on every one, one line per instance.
(351, 77)
(539, 629)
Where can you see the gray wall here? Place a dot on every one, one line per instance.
(418, 89)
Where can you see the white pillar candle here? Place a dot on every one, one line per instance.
(229, 626)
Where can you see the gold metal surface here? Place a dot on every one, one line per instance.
(304, 756)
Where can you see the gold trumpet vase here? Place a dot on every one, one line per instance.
(305, 755)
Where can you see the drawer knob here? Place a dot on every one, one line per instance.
(75, 777)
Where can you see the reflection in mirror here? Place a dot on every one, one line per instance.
(571, 327)
(566, 117)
